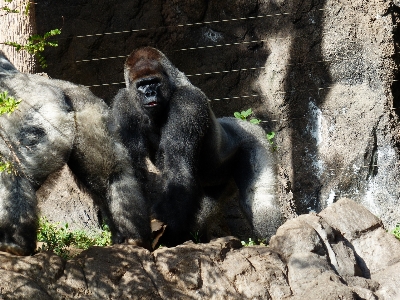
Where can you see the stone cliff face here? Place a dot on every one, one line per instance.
(341, 253)
(321, 74)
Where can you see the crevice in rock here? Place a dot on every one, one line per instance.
(200, 280)
(251, 265)
(330, 254)
(150, 277)
(395, 13)
(61, 272)
(82, 266)
(360, 262)
(372, 158)
(232, 282)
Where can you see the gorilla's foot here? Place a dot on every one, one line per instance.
(15, 249)
(157, 230)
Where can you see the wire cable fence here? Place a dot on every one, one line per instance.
(329, 171)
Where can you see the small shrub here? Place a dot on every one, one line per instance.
(36, 44)
(252, 242)
(6, 166)
(396, 231)
(8, 104)
(9, 10)
(245, 114)
(196, 237)
(60, 239)
(270, 138)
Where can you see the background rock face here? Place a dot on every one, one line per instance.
(341, 253)
(321, 74)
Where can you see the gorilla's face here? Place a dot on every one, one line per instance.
(153, 93)
(148, 82)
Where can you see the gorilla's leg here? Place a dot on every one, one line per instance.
(103, 165)
(211, 208)
(18, 215)
(255, 176)
(128, 209)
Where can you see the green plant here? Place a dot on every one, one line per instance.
(36, 44)
(270, 137)
(245, 114)
(54, 237)
(60, 239)
(9, 10)
(396, 231)
(249, 243)
(252, 242)
(5, 166)
(196, 237)
(8, 104)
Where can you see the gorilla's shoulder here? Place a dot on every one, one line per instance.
(80, 96)
(242, 128)
(122, 93)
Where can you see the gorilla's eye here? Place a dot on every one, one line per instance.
(155, 81)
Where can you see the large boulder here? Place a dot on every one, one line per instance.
(341, 253)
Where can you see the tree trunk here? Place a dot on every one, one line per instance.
(17, 27)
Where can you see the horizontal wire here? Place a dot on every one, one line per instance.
(184, 25)
(228, 98)
(177, 50)
(191, 24)
(200, 48)
(223, 45)
(104, 84)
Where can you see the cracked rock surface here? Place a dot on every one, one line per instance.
(341, 253)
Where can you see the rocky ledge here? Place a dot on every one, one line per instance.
(341, 253)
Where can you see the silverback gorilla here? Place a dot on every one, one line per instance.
(58, 122)
(161, 116)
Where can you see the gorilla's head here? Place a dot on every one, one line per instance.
(148, 81)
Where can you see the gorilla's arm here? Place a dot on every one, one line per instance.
(129, 126)
(18, 215)
(180, 146)
(103, 165)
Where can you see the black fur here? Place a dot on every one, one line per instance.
(160, 115)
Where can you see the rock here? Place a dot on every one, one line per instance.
(310, 257)
(62, 199)
(355, 219)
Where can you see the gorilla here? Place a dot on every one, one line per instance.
(56, 123)
(162, 118)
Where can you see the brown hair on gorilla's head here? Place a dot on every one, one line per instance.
(142, 63)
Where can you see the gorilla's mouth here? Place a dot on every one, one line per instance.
(151, 104)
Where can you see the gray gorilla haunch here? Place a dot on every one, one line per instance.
(161, 116)
(58, 122)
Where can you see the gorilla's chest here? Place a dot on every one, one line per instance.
(153, 143)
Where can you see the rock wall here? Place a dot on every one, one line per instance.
(322, 74)
(341, 253)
